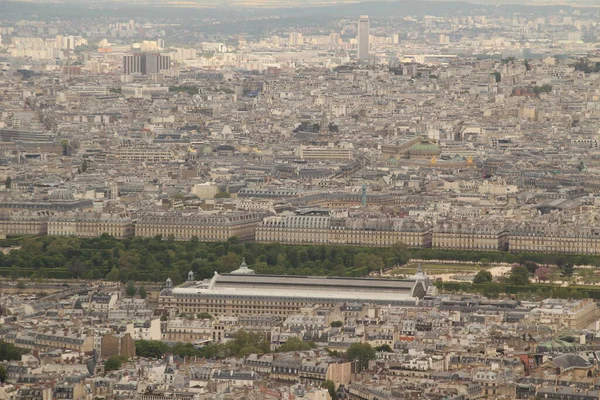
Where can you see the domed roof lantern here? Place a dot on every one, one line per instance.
(243, 269)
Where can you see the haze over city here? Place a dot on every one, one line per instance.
(299, 199)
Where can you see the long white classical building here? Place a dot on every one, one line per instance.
(321, 228)
(243, 292)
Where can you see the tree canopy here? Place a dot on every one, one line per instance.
(114, 363)
(242, 344)
(362, 352)
(483, 276)
(330, 386)
(9, 352)
(384, 348)
(222, 195)
(154, 259)
(295, 344)
(151, 348)
(142, 292)
(519, 275)
(130, 289)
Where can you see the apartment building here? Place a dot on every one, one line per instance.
(294, 229)
(185, 330)
(145, 63)
(144, 330)
(143, 154)
(465, 235)
(555, 238)
(571, 314)
(205, 227)
(102, 302)
(320, 228)
(24, 222)
(90, 224)
(53, 339)
(330, 152)
(343, 199)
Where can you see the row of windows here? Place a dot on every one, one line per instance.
(313, 239)
(589, 242)
(466, 235)
(246, 300)
(232, 313)
(282, 301)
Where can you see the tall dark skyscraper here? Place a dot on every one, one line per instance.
(363, 37)
(145, 63)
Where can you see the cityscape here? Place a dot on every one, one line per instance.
(285, 200)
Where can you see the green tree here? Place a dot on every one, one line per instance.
(112, 364)
(384, 348)
(371, 261)
(531, 266)
(554, 274)
(130, 289)
(184, 350)
(483, 276)
(84, 165)
(519, 276)
(255, 339)
(230, 261)
(78, 305)
(222, 195)
(8, 182)
(150, 348)
(362, 352)
(246, 351)
(9, 352)
(294, 344)
(65, 147)
(113, 275)
(400, 253)
(336, 324)
(77, 269)
(2, 374)
(20, 285)
(542, 89)
(192, 90)
(566, 268)
(142, 292)
(491, 290)
(330, 386)
(204, 315)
